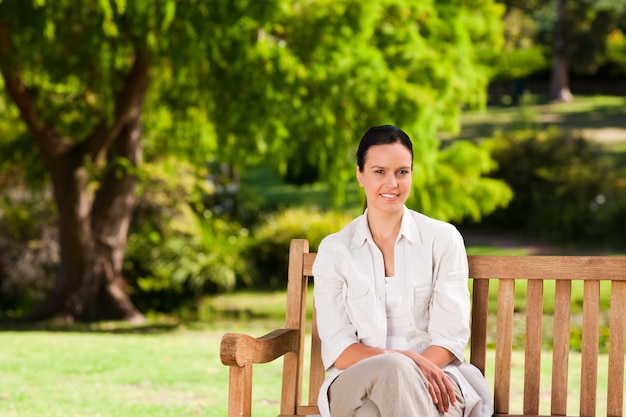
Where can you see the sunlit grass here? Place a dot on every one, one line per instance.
(170, 371)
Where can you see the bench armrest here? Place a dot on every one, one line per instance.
(239, 349)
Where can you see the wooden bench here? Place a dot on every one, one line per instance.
(240, 351)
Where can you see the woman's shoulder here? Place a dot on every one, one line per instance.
(430, 222)
(429, 226)
(343, 237)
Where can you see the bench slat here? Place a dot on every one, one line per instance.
(316, 369)
(480, 314)
(560, 346)
(295, 317)
(532, 363)
(549, 267)
(504, 344)
(617, 347)
(590, 334)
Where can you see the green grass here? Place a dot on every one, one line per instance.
(65, 373)
(592, 114)
(107, 371)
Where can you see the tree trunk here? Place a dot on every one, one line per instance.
(93, 235)
(559, 80)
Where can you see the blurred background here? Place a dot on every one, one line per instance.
(157, 154)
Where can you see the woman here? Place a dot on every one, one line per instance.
(392, 301)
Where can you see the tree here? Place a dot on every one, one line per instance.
(565, 36)
(579, 31)
(246, 82)
(559, 79)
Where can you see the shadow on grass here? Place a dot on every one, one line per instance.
(110, 327)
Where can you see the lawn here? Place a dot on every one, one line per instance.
(106, 371)
(599, 118)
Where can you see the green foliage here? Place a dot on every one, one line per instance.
(521, 55)
(177, 248)
(456, 190)
(616, 50)
(363, 64)
(279, 79)
(564, 189)
(269, 250)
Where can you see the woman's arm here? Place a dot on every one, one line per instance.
(438, 355)
(354, 353)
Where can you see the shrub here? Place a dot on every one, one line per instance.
(29, 256)
(179, 249)
(565, 189)
(269, 250)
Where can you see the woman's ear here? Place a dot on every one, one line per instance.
(359, 176)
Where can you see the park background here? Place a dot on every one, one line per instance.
(156, 157)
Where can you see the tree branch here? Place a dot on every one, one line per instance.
(47, 138)
(132, 93)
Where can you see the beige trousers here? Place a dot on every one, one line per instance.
(389, 385)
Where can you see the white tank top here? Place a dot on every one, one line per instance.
(397, 319)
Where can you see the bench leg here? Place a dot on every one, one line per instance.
(240, 391)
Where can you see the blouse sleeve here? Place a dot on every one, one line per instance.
(335, 328)
(450, 307)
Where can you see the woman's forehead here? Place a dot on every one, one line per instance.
(394, 154)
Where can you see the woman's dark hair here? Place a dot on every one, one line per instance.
(381, 135)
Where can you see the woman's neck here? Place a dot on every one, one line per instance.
(384, 226)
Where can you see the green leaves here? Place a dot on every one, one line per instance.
(263, 82)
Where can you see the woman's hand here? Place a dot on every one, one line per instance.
(439, 385)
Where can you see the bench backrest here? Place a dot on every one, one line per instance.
(532, 271)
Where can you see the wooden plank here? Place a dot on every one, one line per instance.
(316, 369)
(504, 345)
(307, 267)
(560, 346)
(548, 267)
(240, 391)
(308, 410)
(293, 365)
(589, 361)
(480, 314)
(532, 358)
(617, 346)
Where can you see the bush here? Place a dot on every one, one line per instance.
(268, 252)
(565, 189)
(29, 257)
(179, 249)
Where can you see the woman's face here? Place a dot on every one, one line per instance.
(386, 177)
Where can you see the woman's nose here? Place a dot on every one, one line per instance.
(392, 181)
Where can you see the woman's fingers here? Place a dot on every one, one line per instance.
(440, 387)
(441, 391)
(450, 389)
